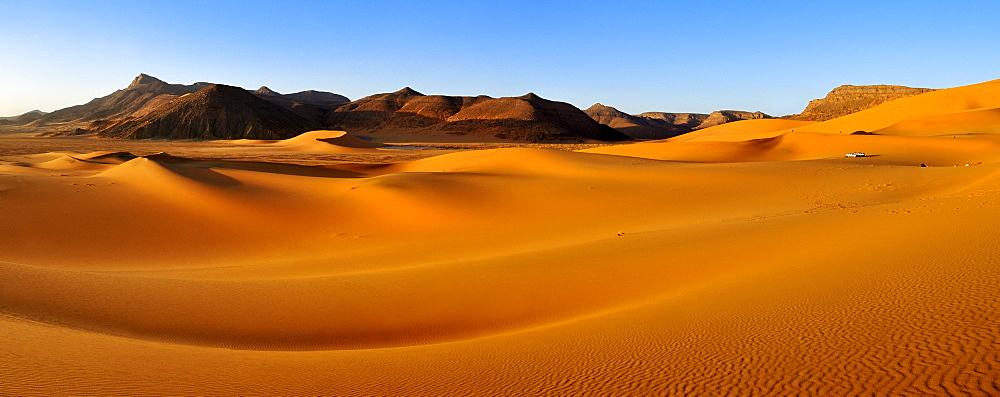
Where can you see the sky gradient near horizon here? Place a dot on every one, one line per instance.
(643, 56)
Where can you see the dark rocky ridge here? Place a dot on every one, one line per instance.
(145, 93)
(213, 112)
(662, 125)
(524, 118)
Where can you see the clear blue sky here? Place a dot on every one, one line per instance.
(695, 56)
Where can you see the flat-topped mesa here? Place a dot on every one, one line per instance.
(848, 99)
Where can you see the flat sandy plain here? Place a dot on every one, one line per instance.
(751, 258)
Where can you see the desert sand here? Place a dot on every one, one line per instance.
(742, 259)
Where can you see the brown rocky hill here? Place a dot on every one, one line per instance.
(146, 93)
(525, 118)
(23, 118)
(213, 112)
(372, 112)
(727, 116)
(848, 99)
(661, 125)
(636, 127)
(311, 105)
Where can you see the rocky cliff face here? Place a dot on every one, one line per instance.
(848, 99)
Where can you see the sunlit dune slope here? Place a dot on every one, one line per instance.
(320, 141)
(741, 130)
(811, 146)
(984, 121)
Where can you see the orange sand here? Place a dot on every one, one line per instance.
(767, 265)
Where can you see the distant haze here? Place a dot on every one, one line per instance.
(637, 57)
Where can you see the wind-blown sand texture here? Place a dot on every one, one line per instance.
(770, 265)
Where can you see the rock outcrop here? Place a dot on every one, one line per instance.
(727, 116)
(848, 99)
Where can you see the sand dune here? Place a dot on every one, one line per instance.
(327, 141)
(319, 141)
(762, 265)
(743, 130)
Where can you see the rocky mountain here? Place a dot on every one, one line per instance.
(146, 93)
(661, 125)
(526, 118)
(848, 99)
(214, 112)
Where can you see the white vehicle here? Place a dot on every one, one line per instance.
(856, 154)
